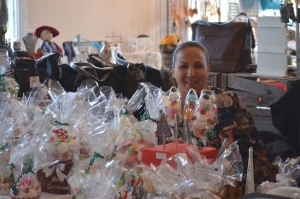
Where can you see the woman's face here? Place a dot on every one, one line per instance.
(190, 70)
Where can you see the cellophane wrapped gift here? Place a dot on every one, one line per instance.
(289, 174)
(174, 105)
(171, 177)
(226, 170)
(9, 88)
(203, 117)
(6, 131)
(98, 172)
(24, 183)
(58, 146)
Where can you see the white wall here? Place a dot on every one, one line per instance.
(95, 19)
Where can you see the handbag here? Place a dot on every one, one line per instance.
(125, 76)
(228, 44)
(25, 72)
(47, 66)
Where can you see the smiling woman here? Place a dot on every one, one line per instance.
(190, 67)
(233, 121)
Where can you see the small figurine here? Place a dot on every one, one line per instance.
(46, 33)
(204, 114)
(174, 106)
(163, 130)
(190, 103)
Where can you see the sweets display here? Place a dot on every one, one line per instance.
(90, 144)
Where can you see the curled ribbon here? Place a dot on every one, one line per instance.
(57, 123)
(144, 115)
(58, 168)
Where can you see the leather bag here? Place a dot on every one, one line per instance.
(228, 44)
(125, 76)
(24, 70)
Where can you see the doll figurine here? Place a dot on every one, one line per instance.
(46, 33)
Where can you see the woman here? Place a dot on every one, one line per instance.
(190, 70)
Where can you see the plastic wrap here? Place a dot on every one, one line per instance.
(137, 99)
(191, 102)
(227, 169)
(154, 100)
(171, 177)
(6, 132)
(203, 116)
(100, 184)
(25, 184)
(9, 88)
(289, 174)
(6, 179)
(174, 107)
(57, 146)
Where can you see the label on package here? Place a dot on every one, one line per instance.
(161, 156)
(204, 173)
(167, 176)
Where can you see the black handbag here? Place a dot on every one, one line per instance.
(228, 44)
(125, 76)
(47, 66)
(25, 72)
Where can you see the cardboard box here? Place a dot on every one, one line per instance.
(156, 154)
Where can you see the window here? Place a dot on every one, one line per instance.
(12, 27)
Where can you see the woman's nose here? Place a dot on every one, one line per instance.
(191, 71)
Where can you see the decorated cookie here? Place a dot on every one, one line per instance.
(59, 150)
(27, 187)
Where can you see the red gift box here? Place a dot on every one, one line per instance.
(155, 154)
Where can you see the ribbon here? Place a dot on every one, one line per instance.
(96, 155)
(57, 123)
(124, 111)
(146, 116)
(58, 168)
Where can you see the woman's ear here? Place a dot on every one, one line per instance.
(173, 72)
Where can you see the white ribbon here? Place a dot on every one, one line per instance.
(59, 168)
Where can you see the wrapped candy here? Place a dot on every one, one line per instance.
(227, 169)
(174, 107)
(191, 102)
(6, 179)
(57, 146)
(203, 116)
(172, 178)
(154, 101)
(289, 174)
(25, 184)
(9, 88)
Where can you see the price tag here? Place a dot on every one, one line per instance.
(161, 156)
(33, 80)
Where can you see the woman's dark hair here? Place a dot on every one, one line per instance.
(189, 44)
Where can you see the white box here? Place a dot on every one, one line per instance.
(271, 47)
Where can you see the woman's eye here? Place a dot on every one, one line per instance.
(199, 66)
(183, 66)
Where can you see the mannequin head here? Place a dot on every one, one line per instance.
(46, 34)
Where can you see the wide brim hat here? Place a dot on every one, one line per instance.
(39, 30)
